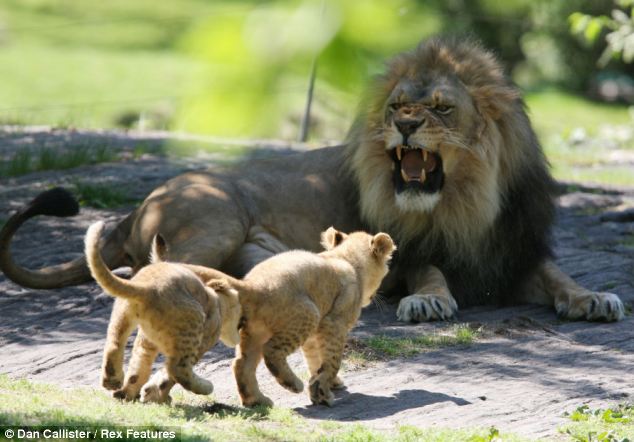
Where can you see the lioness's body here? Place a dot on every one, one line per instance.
(178, 316)
(472, 219)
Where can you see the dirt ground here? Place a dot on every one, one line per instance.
(525, 369)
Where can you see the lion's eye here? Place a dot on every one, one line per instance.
(443, 109)
(394, 106)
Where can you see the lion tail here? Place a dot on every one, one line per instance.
(55, 202)
(110, 282)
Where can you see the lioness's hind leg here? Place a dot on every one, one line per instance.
(144, 353)
(120, 327)
(575, 302)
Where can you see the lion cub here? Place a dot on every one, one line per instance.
(310, 300)
(177, 315)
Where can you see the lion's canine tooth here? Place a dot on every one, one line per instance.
(404, 175)
(422, 175)
(399, 153)
(424, 155)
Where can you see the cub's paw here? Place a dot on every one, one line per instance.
(151, 393)
(593, 306)
(320, 394)
(258, 400)
(293, 385)
(111, 379)
(428, 307)
(338, 384)
(124, 395)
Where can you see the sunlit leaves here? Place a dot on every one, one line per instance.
(260, 54)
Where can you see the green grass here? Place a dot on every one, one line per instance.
(613, 424)
(383, 347)
(91, 63)
(101, 196)
(555, 114)
(26, 161)
(197, 419)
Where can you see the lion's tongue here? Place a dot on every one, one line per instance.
(413, 164)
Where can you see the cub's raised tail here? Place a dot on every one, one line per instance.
(110, 282)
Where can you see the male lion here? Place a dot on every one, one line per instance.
(442, 157)
(177, 314)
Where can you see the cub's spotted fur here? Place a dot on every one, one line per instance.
(302, 299)
(177, 315)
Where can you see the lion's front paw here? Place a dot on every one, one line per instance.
(428, 307)
(595, 306)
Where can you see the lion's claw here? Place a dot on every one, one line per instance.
(427, 307)
(595, 306)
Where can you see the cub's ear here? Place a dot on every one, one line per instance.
(159, 249)
(331, 238)
(382, 245)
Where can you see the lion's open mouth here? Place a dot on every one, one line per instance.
(417, 169)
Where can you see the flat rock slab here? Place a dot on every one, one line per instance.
(523, 371)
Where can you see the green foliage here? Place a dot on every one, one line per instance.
(620, 41)
(101, 196)
(614, 424)
(25, 161)
(261, 55)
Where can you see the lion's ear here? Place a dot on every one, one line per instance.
(494, 101)
(331, 238)
(382, 245)
(159, 249)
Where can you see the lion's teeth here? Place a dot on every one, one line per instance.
(422, 175)
(424, 155)
(399, 152)
(404, 176)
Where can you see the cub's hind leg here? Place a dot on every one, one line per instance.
(281, 345)
(312, 355)
(331, 338)
(181, 361)
(144, 353)
(248, 356)
(122, 324)
(180, 369)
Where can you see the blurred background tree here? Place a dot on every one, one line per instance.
(241, 68)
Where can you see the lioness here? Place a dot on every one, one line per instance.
(442, 157)
(177, 315)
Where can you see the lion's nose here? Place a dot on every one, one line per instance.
(407, 126)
